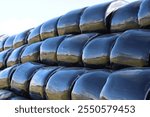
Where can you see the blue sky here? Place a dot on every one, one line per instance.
(19, 15)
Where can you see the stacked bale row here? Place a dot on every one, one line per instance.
(37, 81)
(93, 50)
(64, 49)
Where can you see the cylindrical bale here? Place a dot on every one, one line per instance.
(131, 49)
(39, 81)
(9, 42)
(69, 52)
(126, 17)
(3, 57)
(48, 50)
(34, 36)
(60, 84)
(21, 39)
(89, 85)
(15, 56)
(22, 76)
(128, 84)
(144, 14)
(96, 53)
(97, 18)
(69, 23)
(6, 94)
(49, 29)
(3, 38)
(31, 53)
(5, 77)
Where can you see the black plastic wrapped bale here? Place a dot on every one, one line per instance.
(144, 14)
(128, 84)
(49, 29)
(6, 94)
(131, 49)
(89, 85)
(39, 81)
(60, 84)
(21, 78)
(31, 53)
(69, 23)
(96, 53)
(34, 36)
(5, 77)
(3, 38)
(48, 50)
(15, 56)
(126, 17)
(9, 42)
(21, 39)
(3, 57)
(69, 52)
(97, 18)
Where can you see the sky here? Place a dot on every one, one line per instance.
(19, 15)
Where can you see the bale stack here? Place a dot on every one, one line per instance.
(92, 53)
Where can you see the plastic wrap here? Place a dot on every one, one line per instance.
(126, 17)
(96, 53)
(69, 23)
(5, 77)
(22, 76)
(21, 39)
(69, 52)
(131, 49)
(3, 38)
(48, 50)
(144, 14)
(9, 42)
(3, 57)
(39, 81)
(97, 18)
(49, 29)
(129, 84)
(60, 84)
(89, 85)
(15, 56)
(31, 53)
(34, 36)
